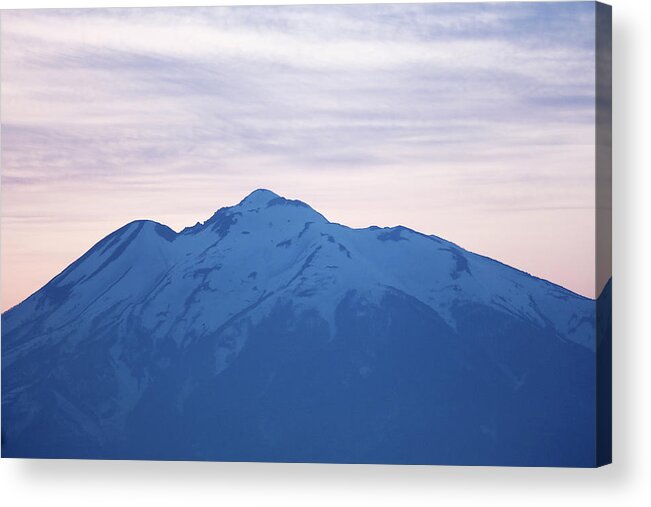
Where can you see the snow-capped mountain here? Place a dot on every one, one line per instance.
(269, 333)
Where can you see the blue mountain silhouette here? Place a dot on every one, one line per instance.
(268, 333)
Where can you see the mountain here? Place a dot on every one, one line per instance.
(268, 333)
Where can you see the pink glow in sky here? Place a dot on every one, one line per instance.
(474, 122)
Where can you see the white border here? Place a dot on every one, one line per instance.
(626, 482)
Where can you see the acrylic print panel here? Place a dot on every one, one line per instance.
(401, 249)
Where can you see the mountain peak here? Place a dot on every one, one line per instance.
(262, 199)
(259, 197)
(256, 202)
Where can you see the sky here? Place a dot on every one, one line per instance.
(474, 122)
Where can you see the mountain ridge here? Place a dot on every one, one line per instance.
(268, 295)
(170, 234)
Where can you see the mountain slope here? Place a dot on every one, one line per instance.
(269, 333)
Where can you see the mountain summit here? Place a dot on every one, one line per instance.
(269, 333)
